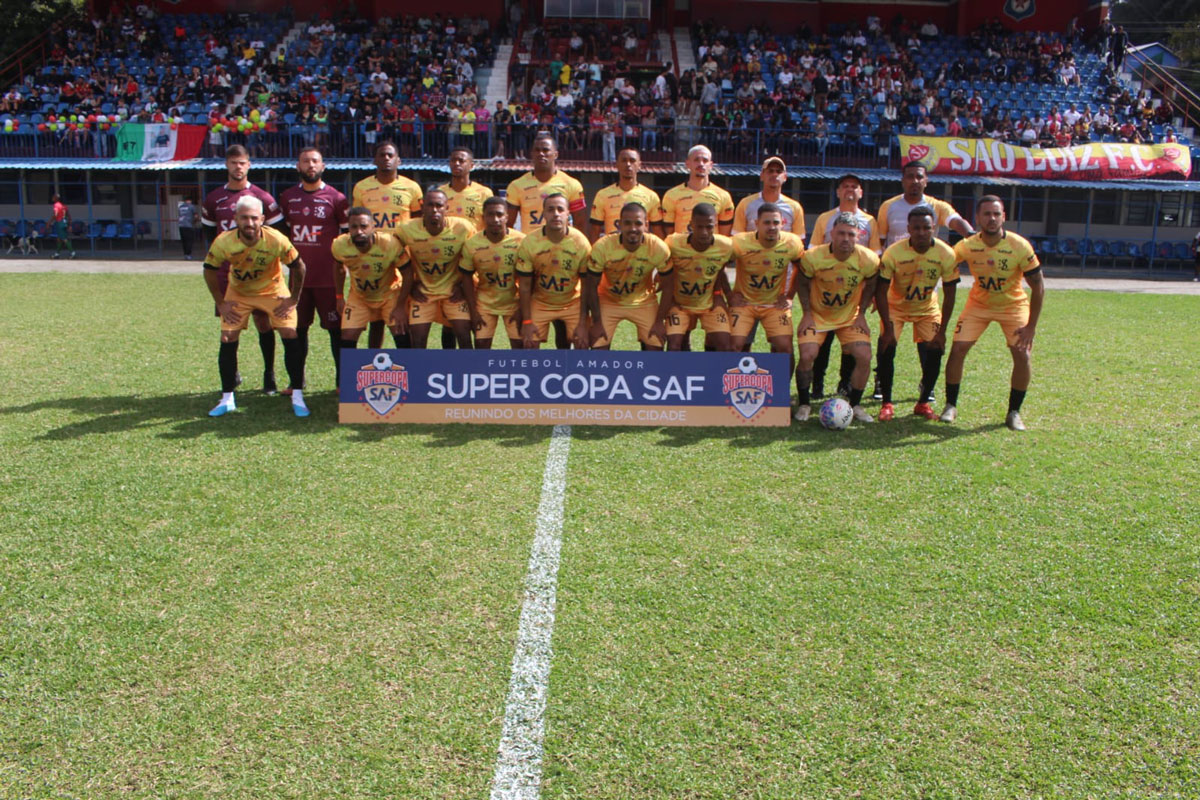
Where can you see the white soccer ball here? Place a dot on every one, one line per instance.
(747, 366)
(382, 361)
(836, 414)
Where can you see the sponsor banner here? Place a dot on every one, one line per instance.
(551, 387)
(1098, 161)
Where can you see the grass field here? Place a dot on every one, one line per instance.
(260, 606)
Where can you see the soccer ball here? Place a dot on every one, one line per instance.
(382, 361)
(747, 366)
(836, 414)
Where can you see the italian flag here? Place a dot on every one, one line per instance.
(159, 141)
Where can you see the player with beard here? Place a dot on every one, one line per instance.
(550, 262)
(372, 260)
(619, 283)
(698, 259)
(464, 198)
(491, 256)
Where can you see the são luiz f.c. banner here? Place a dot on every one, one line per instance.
(552, 387)
(1098, 161)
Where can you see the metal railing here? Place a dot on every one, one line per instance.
(1154, 77)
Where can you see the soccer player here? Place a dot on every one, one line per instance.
(619, 283)
(527, 193)
(998, 260)
(372, 259)
(434, 289)
(61, 217)
(393, 199)
(550, 262)
(491, 256)
(464, 197)
(606, 207)
(253, 254)
(762, 258)
(217, 215)
(893, 213)
(835, 285)
(698, 259)
(315, 214)
(774, 176)
(906, 291)
(677, 203)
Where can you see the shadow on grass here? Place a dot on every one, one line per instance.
(810, 437)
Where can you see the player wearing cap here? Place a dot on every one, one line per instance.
(998, 260)
(762, 258)
(550, 262)
(491, 256)
(698, 259)
(254, 254)
(678, 202)
(906, 292)
(372, 260)
(619, 283)
(607, 205)
(835, 285)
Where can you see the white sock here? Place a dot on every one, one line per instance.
(227, 399)
(297, 397)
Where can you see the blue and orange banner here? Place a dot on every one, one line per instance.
(1098, 161)
(552, 387)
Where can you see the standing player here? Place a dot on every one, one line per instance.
(835, 285)
(393, 199)
(491, 256)
(464, 197)
(372, 259)
(218, 215)
(997, 260)
(619, 284)
(760, 294)
(677, 203)
(893, 212)
(774, 176)
(907, 292)
(61, 216)
(698, 260)
(253, 254)
(315, 214)
(438, 290)
(606, 207)
(550, 262)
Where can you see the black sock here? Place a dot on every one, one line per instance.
(375, 335)
(335, 348)
(302, 338)
(1015, 398)
(402, 341)
(561, 340)
(931, 368)
(886, 371)
(855, 397)
(803, 396)
(448, 340)
(227, 365)
(687, 344)
(821, 365)
(266, 343)
(847, 368)
(293, 362)
(952, 394)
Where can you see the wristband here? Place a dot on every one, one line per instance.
(526, 322)
(340, 296)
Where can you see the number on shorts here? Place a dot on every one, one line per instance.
(674, 318)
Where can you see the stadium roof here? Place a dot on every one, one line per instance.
(654, 168)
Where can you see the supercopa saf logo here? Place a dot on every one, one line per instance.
(382, 383)
(746, 387)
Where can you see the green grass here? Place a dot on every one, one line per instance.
(260, 606)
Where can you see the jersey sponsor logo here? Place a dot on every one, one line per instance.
(693, 289)
(553, 284)
(387, 220)
(747, 387)
(306, 234)
(835, 299)
(243, 275)
(918, 293)
(382, 384)
(763, 281)
(992, 284)
(501, 281)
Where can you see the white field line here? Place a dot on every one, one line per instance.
(518, 773)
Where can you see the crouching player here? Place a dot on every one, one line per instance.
(256, 282)
(372, 260)
(907, 292)
(491, 256)
(698, 261)
(835, 285)
(619, 283)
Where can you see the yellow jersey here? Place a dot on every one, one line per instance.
(745, 216)
(468, 203)
(527, 194)
(255, 269)
(696, 271)
(494, 265)
(677, 205)
(555, 266)
(836, 287)
(914, 277)
(998, 270)
(627, 278)
(761, 274)
(868, 230)
(606, 208)
(375, 274)
(391, 204)
(435, 258)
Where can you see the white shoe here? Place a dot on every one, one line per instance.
(949, 414)
(802, 413)
(1013, 421)
(861, 415)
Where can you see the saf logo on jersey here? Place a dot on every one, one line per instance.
(382, 383)
(746, 387)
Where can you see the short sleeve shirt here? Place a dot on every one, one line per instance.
(374, 275)
(677, 205)
(555, 266)
(627, 278)
(914, 277)
(745, 216)
(697, 271)
(868, 233)
(998, 270)
(391, 204)
(606, 208)
(495, 268)
(835, 288)
(314, 220)
(468, 203)
(893, 216)
(256, 269)
(761, 274)
(435, 258)
(527, 194)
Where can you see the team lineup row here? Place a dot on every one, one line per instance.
(662, 265)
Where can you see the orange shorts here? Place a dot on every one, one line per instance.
(924, 328)
(360, 311)
(266, 303)
(492, 321)
(682, 320)
(847, 335)
(975, 318)
(543, 315)
(775, 321)
(440, 309)
(642, 316)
